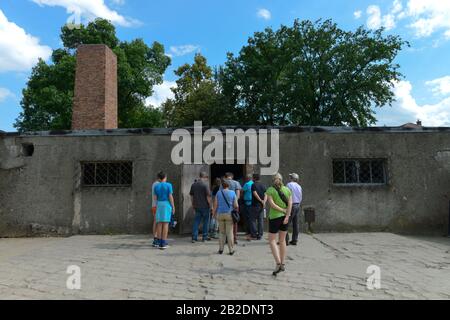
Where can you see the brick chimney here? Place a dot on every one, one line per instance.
(95, 96)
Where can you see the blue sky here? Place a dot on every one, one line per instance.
(30, 29)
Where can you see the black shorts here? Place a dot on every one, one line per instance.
(276, 225)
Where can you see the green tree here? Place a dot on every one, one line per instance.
(197, 96)
(312, 73)
(47, 99)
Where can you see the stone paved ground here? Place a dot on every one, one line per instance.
(324, 266)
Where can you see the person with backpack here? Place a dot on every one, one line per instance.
(279, 198)
(224, 203)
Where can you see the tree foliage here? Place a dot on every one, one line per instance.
(196, 97)
(47, 99)
(312, 74)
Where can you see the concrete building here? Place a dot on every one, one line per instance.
(96, 179)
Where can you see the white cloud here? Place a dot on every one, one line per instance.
(429, 16)
(4, 94)
(118, 2)
(447, 34)
(89, 9)
(264, 14)
(357, 14)
(440, 86)
(19, 51)
(437, 114)
(389, 21)
(183, 50)
(397, 7)
(375, 20)
(425, 17)
(161, 93)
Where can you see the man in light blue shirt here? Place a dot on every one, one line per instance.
(297, 197)
(247, 197)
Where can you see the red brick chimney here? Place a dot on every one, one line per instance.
(95, 96)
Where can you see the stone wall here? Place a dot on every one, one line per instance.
(44, 194)
(41, 193)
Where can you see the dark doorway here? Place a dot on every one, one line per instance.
(239, 171)
(219, 170)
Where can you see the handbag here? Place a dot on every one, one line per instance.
(234, 213)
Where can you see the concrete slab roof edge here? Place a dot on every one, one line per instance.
(283, 129)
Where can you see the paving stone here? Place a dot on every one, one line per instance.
(325, 266)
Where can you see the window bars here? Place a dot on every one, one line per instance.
(359, 171)
(107, 174)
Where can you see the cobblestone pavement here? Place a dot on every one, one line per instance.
(324, 266)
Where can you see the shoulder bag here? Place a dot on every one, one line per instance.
(234, 214)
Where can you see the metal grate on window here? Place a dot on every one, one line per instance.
(107, 174)
(359, 171)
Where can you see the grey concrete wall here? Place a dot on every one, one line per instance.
(417, 195)
(42, 195)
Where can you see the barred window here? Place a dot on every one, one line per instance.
(107, 174)
(359, 171)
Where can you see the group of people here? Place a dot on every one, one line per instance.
(223, 205)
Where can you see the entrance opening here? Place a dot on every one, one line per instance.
(239, 172)
(219, 170)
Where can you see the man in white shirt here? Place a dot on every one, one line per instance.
(297, 197)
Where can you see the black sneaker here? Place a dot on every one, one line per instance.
(277, 270)
(220, 252)
(294, 243)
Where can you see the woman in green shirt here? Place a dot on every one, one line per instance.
(279, 198)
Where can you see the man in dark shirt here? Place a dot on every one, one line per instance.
(201, 203)
(259, 199)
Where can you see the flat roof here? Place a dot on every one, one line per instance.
(169, 131)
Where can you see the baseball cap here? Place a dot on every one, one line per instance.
(294, 176)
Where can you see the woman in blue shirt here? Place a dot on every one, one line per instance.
(224, 202)
(165, 208)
